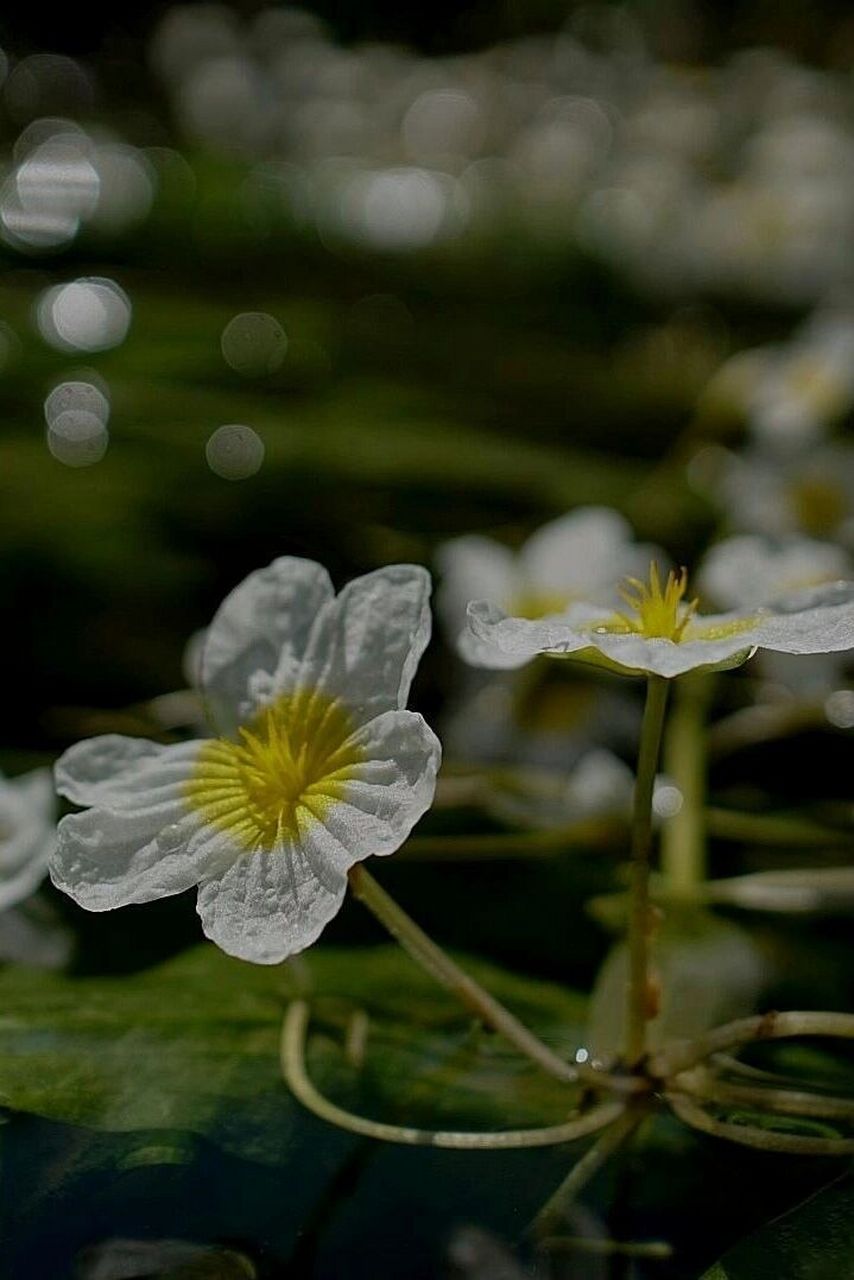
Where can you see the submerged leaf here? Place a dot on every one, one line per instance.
(193, 1045)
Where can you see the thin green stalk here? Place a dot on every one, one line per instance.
(640, 915)
(683, 838)
(449, 974)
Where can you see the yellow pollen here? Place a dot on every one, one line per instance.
(286, 770)
(658, 612)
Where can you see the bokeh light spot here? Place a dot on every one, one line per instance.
(234, 452)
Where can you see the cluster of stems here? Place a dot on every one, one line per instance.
(699, 1079)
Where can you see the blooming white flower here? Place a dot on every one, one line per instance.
(807, 386)
(579, 556)
(662, 634)
(317, 767)
(27, 834)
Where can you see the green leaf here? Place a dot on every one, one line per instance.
(193, 1045)
(815, 1241)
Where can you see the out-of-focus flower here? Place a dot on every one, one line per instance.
(750, 569)
(660, 633)
(806, 386)
(599, 786)
(27, 834)
(121, 1259)
(318, 765)
(579, 556)
(811, 494)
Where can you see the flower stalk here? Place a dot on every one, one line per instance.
(448, 973)
(640, 917)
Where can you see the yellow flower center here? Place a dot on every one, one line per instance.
(287, 769)
(658, 612)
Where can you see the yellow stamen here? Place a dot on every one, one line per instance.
(288, 768)
(658, 612)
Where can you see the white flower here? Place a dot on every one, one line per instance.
(812, 494)
(662, 634)
(579, 556)
(750, 569)
(318, 765)
(27, 834)
(806, 386)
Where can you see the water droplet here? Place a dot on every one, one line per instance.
(171, 838)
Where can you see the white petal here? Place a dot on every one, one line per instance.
(817, 621)
(575, 633)
(473, 568)
(366, 644)
(262, 626)
(106, 859)
(123, 773)
(580, 553)
(274, 903)
(140, 841)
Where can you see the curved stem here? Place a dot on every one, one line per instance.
(292, 1055)
(449, 974)
(550, 1217)
(639, 1011)
(683, 837)
(701, 1083)
(760, 1139)
(678, 1057)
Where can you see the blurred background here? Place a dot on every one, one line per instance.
(353, 279)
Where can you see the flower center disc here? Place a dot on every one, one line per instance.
(287, 768)
(657, 612)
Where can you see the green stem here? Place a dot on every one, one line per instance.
(683, 838)
(640, 915)
(448, 973)
(679, 1056)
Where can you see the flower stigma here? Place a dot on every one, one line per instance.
(288, 767)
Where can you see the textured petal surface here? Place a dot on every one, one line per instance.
(367, 642)
(261, 627)
(140, 841)
(274, 903)
(816, 621)
(123, 773)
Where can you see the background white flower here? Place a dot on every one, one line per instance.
(749, 569)
(318, 765)
(27, 834)
(579, 556)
